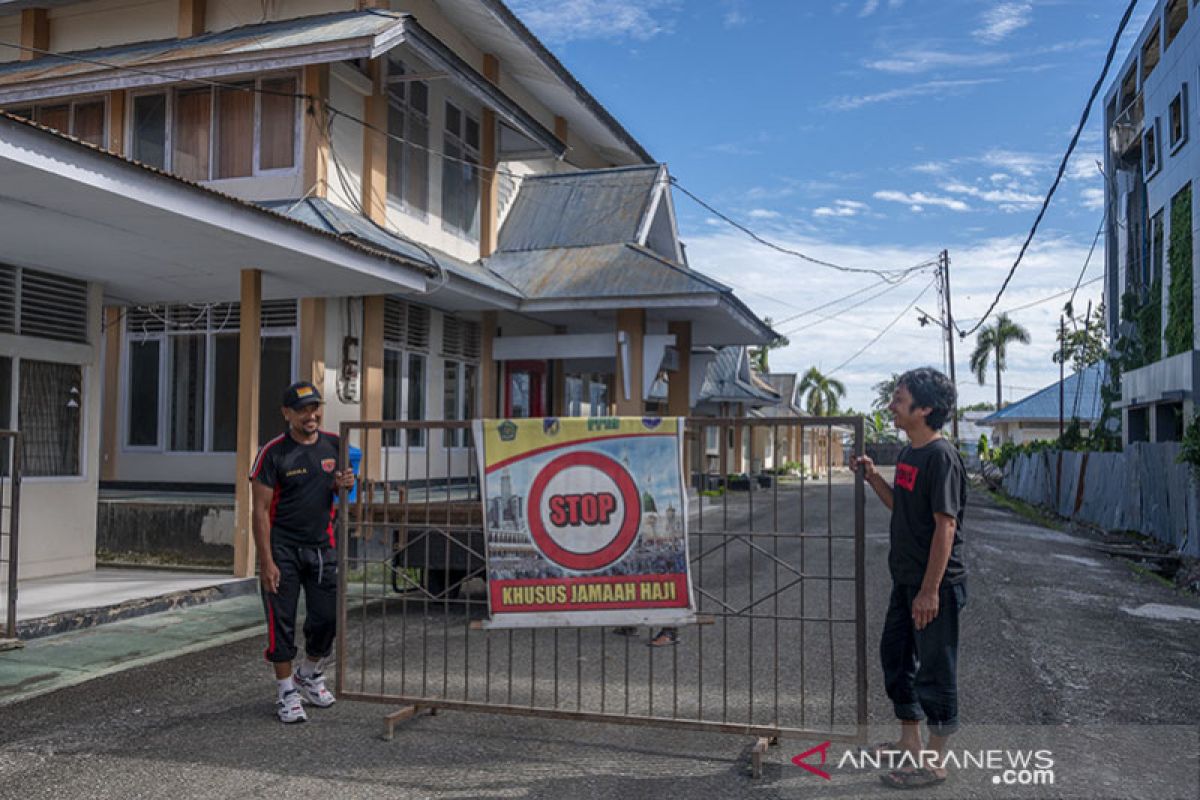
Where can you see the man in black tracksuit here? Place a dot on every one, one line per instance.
(919, 646)
(295, 482)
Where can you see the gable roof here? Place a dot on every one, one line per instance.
(1081, 398)
(730, 379)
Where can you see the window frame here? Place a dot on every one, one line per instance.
(1154, 129)
(214, 131)
(403, 104)
(1182, 97)
(467, 152)
(406, 354)
(70, 102)
(15, 360)
(458, 439)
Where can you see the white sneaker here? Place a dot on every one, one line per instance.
(289, 708)
(312, 689)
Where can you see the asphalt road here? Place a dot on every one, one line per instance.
(1064, 650)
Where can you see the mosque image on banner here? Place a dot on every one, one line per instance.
(586, 522)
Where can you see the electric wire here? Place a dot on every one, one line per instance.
(881, 334)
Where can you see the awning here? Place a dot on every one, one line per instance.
(73, 209)
(290, 43)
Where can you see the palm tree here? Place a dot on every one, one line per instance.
(992, 346)
(822, 392)
(884, 391)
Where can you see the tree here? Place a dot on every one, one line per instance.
(821, 393)
(991, 347)
(1085, 346)
(759, 356)
(884, 391)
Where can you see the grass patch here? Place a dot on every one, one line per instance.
(1026, 511)
(1148, 572)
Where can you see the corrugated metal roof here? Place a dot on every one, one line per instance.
(613, 270)
(322, 214)
(250, 39)
(729, 379)
(579, 209)
(1081, 398)
(784, 384)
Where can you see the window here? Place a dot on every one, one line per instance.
(598, 395)
(43, 305)
(182, 375)
(458, 387)
(1150, 54)
(1150, 149)
(1176, 15)
(49, 403)
(1177, 119)
(85, 119)
(212, 133)
(405, 337)
(408, 160)
(1156, 251)
(587, 395)
(460, 173)
(574, 396)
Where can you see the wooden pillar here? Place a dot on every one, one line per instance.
(312, 341)
(679, 383)
(191, 18)
(489, 196)
(631, 323)
(371, 407)
(35, 33)
(111, 393)
(375, 145)
(316, 141)
(116, 122)
(488, 395)
(249, 358)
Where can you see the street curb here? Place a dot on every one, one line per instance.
(79, 619)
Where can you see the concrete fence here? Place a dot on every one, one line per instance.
(1141, 489)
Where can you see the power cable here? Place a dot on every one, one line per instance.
(1062, 168)
(890, 325)
(828, 317)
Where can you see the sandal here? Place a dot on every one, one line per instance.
(625, 630)
(665, 638)
(912, 778)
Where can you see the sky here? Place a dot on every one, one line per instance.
(872, 134)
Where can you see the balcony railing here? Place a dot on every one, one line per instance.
(1126, 131)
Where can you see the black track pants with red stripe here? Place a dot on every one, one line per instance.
(313, 569)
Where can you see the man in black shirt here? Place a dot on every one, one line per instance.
(295, 481)
(919, 646)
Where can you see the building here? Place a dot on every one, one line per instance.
(413, 205)
(1035, 418)
(1151, 161)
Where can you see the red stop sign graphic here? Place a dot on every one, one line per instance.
(600, 516)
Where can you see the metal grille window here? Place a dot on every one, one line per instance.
(405, 326)
(460, 173)
(40, 304)
(182, 374)
(405, 330)
(50, 401)
(460, 338)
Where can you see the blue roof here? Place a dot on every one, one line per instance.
(1081, 398)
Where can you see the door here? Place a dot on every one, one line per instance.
(524, 389)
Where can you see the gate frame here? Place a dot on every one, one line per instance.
(9, 638)
(766, 735)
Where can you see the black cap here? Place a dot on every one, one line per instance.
(300, 394)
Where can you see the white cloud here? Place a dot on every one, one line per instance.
(735, 14)
(869, 8)
(914, 61)
(916, 201)
(931, 167)
(841, 208)
(926, 89)
(1004, 19)
(764, 213)
(1010, 198)
(1023, 164)
(1092, 197)
(563, 21)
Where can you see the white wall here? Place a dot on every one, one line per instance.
(347, 138)
(58, 515)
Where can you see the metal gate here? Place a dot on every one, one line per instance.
(776, 543)
(10, 515)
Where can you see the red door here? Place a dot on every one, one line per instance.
(524, 389)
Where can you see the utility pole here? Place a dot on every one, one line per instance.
(1062, 375)
(944, 269)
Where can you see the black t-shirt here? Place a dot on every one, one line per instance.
(302, 509)
(929, 480)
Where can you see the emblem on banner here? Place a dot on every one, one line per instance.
(328, 464)
(550, 426)
(651, 422)
(507, 430)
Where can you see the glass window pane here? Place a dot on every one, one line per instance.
(24, 113)
(225, 395)
(574, 396)
(187, 393)
(89, 123)
(150, 130)
(393, 383)
(416, 397)
(470, 201)
(518, 392)
(451, 405)
(416, 165)
(48, 410)
(470, 392)
(451, 184)
(453, 120)
(193, 120)
(235, 131)
(142, 423)
(57, 117)
(472, 134)
(274, 375)
(418, 98)
(598, 396)
(395, 156)
(277, 133)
